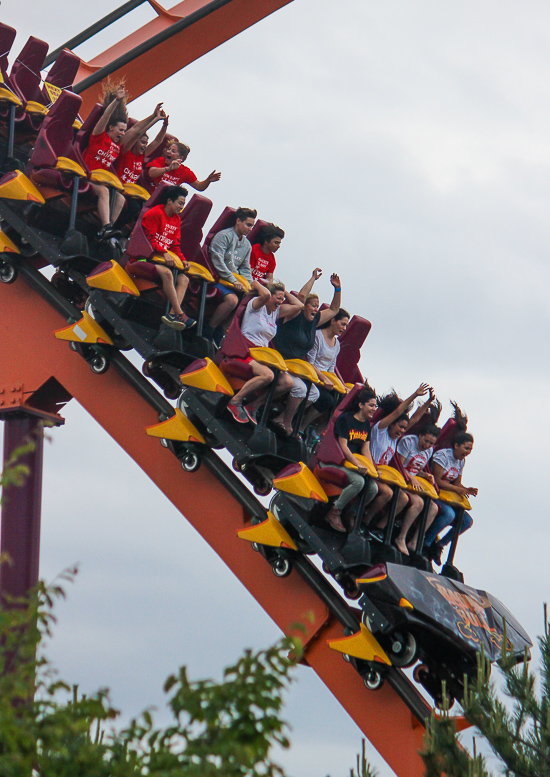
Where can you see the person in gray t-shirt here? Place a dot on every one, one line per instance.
(229, 252)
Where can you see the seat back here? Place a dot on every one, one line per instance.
(224, 220)
(83, 134)
(447, 433)
(235, 345)
(55, 138)
(351, 342)
(139, 245)
(193, 220)
(329, 451)
(62, 73)
(7, 36)
(25, 71)
(256, 229)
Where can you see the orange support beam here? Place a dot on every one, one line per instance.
(168, 43)
(30, 356)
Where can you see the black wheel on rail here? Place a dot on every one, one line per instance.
(262, 488)
(373, 680)
(99, 364)
(421, 673)
(73, 346)
(255, 546)
(164, 442)
(236, 466)
(8, 273)
(442, 704)
(190, 462)
(403, 649)
(346, 658)
(281, 567)
(351, 590)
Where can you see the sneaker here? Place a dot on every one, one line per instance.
(207, 331)
(108, 231)
(334, 519)
(252, 414)
(435, 551)
(238, 412)
(217, 335)
(178, 322)
(376, 534)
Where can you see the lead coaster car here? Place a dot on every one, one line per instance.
(444, 623)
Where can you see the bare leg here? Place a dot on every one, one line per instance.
(118, 204)
(262, 378)
(286, 417)
(417, 503)
(224, 310)
(432, 512)
(383, 497)
(182, 283)
(102, 194)
(169, 289)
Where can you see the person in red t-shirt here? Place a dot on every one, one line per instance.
(262, 259)
(135, 146)
(102, 151)
(171, 170)
(162, 226)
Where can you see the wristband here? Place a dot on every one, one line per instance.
(337, 288)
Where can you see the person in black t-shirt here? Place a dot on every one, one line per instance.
(352, 430)
(295, 339)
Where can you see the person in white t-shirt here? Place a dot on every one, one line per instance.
(385, 435)
(259, 325)
(447, 466)
(415, 451)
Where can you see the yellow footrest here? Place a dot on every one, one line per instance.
(270, 357)
(391, 476)
(302, 369)
(106, 178)
(178, 428)
(269, 532)
(369, 466)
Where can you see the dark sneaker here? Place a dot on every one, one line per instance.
(238, 412)
(207, 331)
(217, 335)
(377, 535)
(435, 553)
(188, 322)
(252, 414)
(108, 231)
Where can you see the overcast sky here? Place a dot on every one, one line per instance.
(404, 145)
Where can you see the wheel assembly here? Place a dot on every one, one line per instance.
(403, 649)
(99, 364)
(263, 488)
(190, 462)
(373, 680)
(8, 273)
(281, 567)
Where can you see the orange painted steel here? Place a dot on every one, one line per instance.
(30, 355)
(154, 66)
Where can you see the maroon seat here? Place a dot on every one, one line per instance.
(7, 36)
(84, 133)
(329, 451)
(24, 80)
(62, 73)
(351, 342)
(56, 139)
(235, 347)
(193, 218)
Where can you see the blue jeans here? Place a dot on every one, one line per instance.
(445, 518)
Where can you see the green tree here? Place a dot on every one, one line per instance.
(517, 731)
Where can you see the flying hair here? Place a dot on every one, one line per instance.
(110, 89)
(460, 418)
(433, 412)
(390, 402)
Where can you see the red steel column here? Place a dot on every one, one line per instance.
(21, 507)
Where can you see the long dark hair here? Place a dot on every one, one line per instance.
(461, 421)
(367, 393)
(338, 317)
(390, 402)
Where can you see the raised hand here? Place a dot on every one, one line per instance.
(335, 280)
(214, 176)
(158, 113)
(121, 93)
(316, 274)
(422, 389)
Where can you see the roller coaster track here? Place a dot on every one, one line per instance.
(124, 402)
